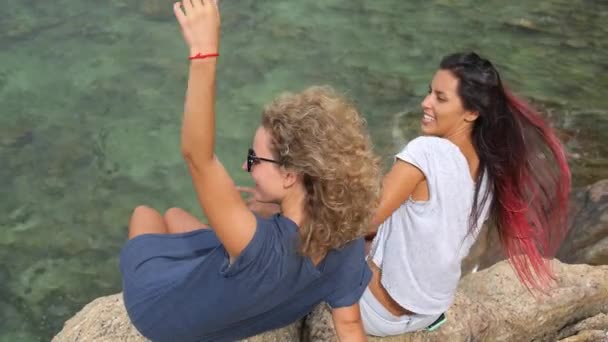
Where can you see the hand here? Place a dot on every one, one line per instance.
(200, 23)
(261, 208)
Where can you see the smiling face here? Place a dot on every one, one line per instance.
(269, 177)
(444, 114)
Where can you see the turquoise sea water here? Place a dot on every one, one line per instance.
(91, 95)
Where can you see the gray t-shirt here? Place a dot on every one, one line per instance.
(421, 245)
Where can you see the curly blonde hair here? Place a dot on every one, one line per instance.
(320, 135)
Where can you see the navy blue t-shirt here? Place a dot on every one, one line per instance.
(181, 287)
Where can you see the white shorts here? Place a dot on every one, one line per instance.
(378, 321)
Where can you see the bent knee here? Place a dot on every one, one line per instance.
(180, 221)
(173, 213)
(146, 220)
(143, 210)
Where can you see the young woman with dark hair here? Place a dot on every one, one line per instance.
(484, 154)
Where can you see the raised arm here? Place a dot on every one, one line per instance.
(227, 213)
(397, 186)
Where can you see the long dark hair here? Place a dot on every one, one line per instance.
(525, 166)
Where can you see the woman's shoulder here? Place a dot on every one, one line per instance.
(348, 254)
(436, 157)
(426, 142)
(429, 148)
(279, 227)
(279, 221)
(351, 247)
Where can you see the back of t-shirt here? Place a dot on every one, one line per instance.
(270, 285)
(421, 245)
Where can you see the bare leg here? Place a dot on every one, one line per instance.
(180, 221)
(146, 220)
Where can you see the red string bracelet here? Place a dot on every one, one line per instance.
(201, 56)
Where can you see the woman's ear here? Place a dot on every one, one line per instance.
(471, 116)
(289, 178)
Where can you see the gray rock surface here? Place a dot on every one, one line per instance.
(490, 305)
(105, 320)
(588, 327)
(585, 243)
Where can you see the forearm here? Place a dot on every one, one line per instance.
(351, 332)
(198, 126)
(348, 323)
(375, 223)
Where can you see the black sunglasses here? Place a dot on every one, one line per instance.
(252, 159)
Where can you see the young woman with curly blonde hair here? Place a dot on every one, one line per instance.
(245, 274)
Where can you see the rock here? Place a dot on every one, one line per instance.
(105, 320)
(156, 9)
(595, 323)
(485, 252)
(585, 243)
(587, 240)
(491, 305)
(524, 25)
(318, 325)
(588, 336)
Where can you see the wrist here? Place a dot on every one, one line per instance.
(202, 50)
(207, 64)
(203, 56)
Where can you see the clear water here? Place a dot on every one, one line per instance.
(92, 92)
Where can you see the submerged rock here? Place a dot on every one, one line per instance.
(490, 305)
(156, 9)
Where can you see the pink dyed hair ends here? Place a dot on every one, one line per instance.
(533, 210)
